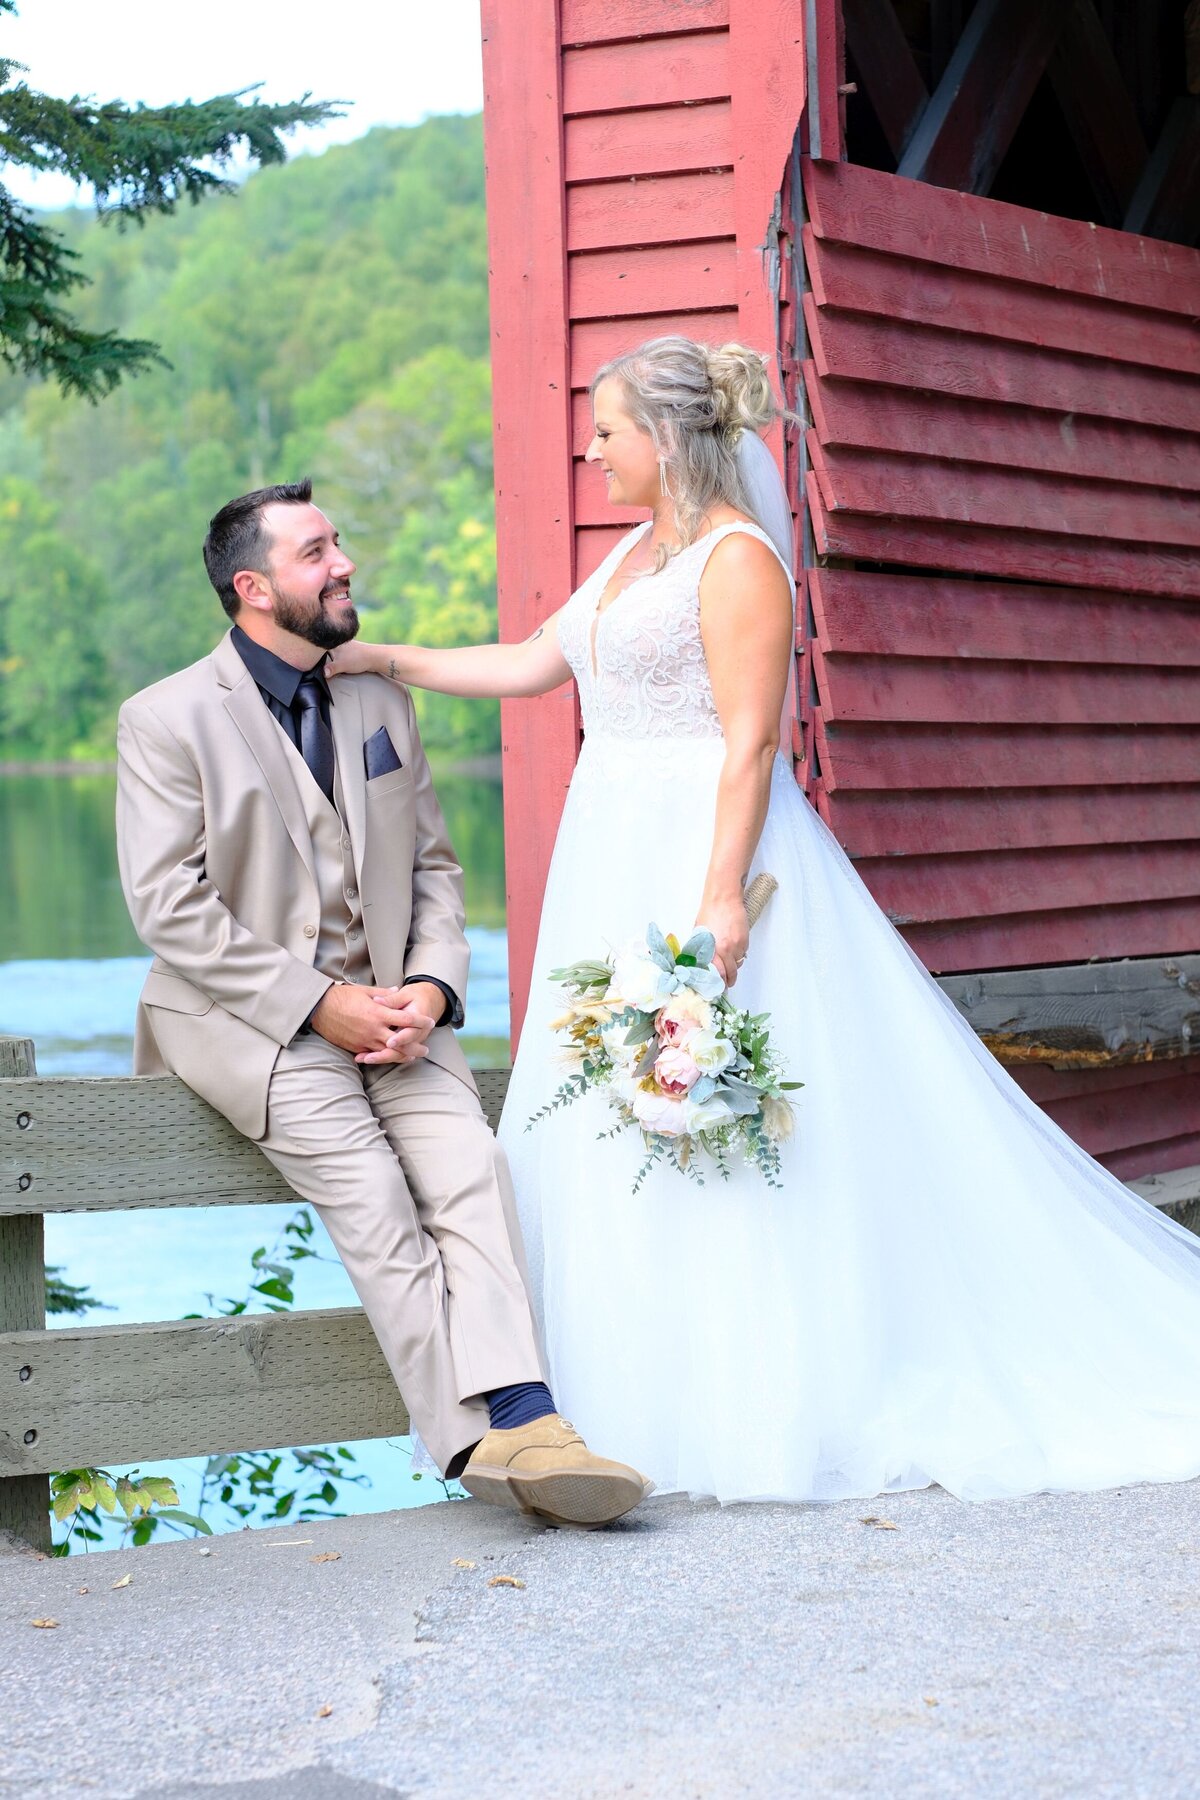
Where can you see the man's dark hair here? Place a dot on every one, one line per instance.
(238, 539)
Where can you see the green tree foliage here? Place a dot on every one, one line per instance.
(137, 160)
(330, 318)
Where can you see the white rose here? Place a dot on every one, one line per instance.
(705, 1115)
(641, 982)
(710, 1052)
(658, 1112)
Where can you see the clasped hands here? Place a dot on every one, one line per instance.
(380, 1025)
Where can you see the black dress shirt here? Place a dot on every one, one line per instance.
(278, 682)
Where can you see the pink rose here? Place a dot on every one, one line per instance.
(683, 1014)
(658, 1112)
(675, 1072)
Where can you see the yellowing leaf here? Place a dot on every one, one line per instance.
(45, 1624)
(327, 1556)
(123, 1582)
(505, 1581)
(323, 1712)
(460, 1562)
(879, 1524)
(105, 1494)
(929, 1700)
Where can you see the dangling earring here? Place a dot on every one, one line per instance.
(662, 478)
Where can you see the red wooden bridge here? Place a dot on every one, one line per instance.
(967, 233)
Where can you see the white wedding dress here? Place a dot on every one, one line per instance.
(945, 1289)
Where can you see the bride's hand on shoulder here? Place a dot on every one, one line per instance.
(356, 658)
(726, 918)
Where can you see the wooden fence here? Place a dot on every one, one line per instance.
(117, 1394)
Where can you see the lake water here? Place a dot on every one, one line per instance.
(70, 972)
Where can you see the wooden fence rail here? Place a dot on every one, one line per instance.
(114, 1394)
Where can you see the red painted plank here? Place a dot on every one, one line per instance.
(1050, 1086)
(906, 824)
(897, 287)
(593, 545)
(531, 428)
(1130, 1117)
(855, 205)
(601, 146)
(605, 284)
(1149, 929)
(650, 209)
(1156, 1158)
(655, 72)
(997, 756)
(596, 340)
(603, 21)
(858, 413)
(825, 105)
(929, 615)
(933, 488)
(953, 362)
(931, 690)
(767, 75)
(978, 885)
(990, 550)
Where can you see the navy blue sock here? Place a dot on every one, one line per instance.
(509, 1407)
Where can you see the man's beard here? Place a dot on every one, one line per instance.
(318, 627)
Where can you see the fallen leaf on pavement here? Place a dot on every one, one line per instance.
(505, 1581)
(123, 1582)
(929, 1700)
(879, 1524)
(44, 1624)
(81, 1590)
(327, 1556)
(323, 1712)
(460, 1562)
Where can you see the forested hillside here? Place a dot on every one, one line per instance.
(329, 319)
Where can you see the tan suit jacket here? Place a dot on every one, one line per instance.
(217, 865)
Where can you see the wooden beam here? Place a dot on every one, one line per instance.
(825, 71)
(1100, 114)
(887, 69)
(111, 1394)
(111, 1144)
(523, 153)
(1167, 201)
(24, 1498)
(965, 131)
(1091, 1015)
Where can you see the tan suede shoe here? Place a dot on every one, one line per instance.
(546, 1469)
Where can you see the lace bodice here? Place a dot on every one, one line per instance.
(650, 677)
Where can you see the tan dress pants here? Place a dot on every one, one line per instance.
(415, 1193)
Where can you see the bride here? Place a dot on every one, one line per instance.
(945, 1288)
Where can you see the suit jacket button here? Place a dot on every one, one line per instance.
(310, 931)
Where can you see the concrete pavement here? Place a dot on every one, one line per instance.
(1048, 1646)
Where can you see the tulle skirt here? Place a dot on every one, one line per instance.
(945, 1289)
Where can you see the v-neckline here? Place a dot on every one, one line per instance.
(599, 611)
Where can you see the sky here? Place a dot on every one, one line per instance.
(395, 61)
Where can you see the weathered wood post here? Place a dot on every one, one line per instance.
(24, 1499)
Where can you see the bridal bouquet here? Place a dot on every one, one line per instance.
(653, 1028)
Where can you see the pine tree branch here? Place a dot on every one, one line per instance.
(146, 159)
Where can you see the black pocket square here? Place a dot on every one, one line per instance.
(379, 754)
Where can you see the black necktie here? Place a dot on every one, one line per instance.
(316, 739)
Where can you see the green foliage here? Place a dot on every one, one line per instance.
(63, 1296)
(329, 318)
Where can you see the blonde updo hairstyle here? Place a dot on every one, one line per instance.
(694, 403)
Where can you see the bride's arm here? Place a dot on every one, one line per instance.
(477, 671)
(746, 625)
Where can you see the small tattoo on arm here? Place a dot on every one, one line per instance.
(537, 634)
(391, 668)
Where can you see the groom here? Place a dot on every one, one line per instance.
(284, 856)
